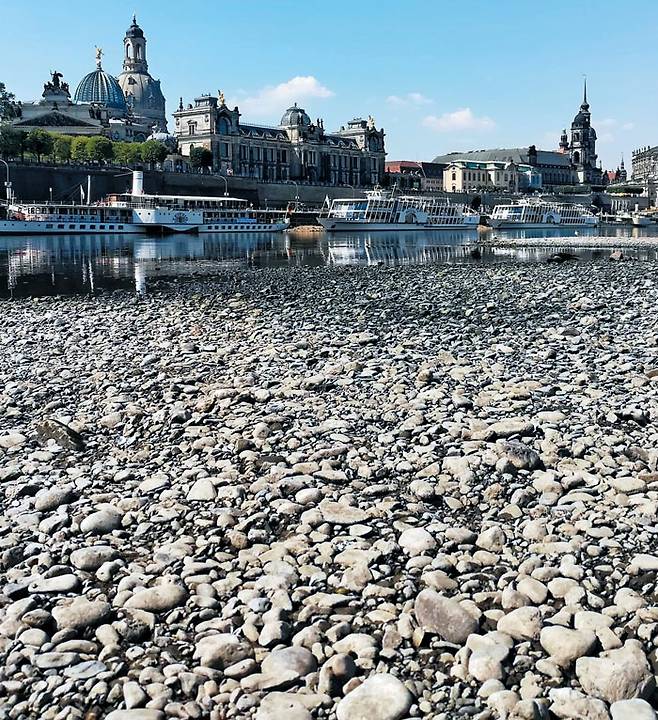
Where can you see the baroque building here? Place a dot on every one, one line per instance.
(141, 91)
(297, 149)
(100, 105)
(573, 163)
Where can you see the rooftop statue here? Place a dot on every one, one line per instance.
(99, 55)
(222, 98)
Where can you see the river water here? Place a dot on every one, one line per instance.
(33, 266)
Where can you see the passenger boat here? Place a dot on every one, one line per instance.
(138, 212)
(539, 213)
(381, 210)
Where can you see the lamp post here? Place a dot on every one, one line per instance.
(225, 185)
(10, 194)
(296, 192)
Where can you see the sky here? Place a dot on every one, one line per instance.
(438, 75)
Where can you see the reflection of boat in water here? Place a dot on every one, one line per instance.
(139, 212)
(539, 213)
(395, 249)
(382, 210)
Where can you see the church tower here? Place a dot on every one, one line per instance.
(142, 92)
(582, 148)
(134, 57)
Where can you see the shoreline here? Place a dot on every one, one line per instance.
(305, 491)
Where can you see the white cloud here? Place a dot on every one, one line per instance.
(462, 119)
(607, 123)
(628, 126)
(272, 100)
(412, 98)
(606, 138)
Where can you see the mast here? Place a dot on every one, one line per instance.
(89, 189)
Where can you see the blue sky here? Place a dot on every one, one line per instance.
(438, 75)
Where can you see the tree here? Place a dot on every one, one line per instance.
(154, 151)
(79, 149)
(200, 157)
(100, 149)
(127, 153)
(62, 148)
(39, 142)
(476, 202)
(11, 141)
(7, 105)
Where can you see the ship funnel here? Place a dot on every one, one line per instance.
(138, 182)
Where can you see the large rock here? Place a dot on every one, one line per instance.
(63, 435)
(221, 650)
(101, 522)
(632, 710)
(91, 558)
(524, 623)
(444, 616)
(288, 661)
(81, 613)
(565, 645)
(340, 514)
(159, 598)
(282, 706)
(416, 541)
(621, 674)
(568, 704)
(380, 697)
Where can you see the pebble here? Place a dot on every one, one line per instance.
(366, 492)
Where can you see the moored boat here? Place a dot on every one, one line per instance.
(540, 213)
(381, 210)
(138, 212)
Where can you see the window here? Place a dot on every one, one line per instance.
(454, 177)
(192, 128)
(71, 227)
(223, 126)
(60, 227)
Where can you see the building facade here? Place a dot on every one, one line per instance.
(469, 176)
(573, 163)
(297, 149)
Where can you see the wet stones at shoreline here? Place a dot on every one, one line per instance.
(384, 493)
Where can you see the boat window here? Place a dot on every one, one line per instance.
(49, 226)
(71, 227)
(82, 227)
(60, 227)
(120, 227)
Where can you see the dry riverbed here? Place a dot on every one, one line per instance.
(360, 494)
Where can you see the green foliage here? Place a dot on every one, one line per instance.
(100, 148)
(39, 143)
(62, 148)
(153, 151)
(6, 103)
(79, 149)
(11, 141)
(200, 157)
(127, 153)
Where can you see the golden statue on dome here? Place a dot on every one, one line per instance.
(99, 55)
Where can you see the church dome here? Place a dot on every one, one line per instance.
(100, 87)
(134, 31)
(294, 116)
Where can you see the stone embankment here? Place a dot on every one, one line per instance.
(360, 494)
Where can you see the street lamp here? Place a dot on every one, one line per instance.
(225, 185)
(10, 194)
(296, 192)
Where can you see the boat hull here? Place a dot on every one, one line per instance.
(35, 227)
(333, 225)
(20, 227)
(510, 225)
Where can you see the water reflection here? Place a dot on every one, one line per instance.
(38, 265)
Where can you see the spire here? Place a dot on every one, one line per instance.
(134, 18)
(585, 104)
(622, 161)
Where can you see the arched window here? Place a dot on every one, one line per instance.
(576, 157)
(223, 126)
